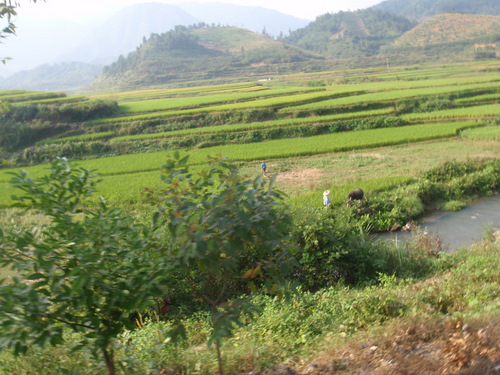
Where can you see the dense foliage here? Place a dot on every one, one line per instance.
(25, 123)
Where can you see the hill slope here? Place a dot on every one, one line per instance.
(448, 37)
(452, 27)
(56, 41)
(199, 53)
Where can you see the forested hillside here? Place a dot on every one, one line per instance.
(350, 34)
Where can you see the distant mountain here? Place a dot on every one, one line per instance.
(54, 41)
(255, 19)
(421, 9)
(149, 44)
(200, 53)
(56, 77)
(38, 42)
(102, 42)
(350, 34)
(124, 31)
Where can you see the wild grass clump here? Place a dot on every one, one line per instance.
(454, 205)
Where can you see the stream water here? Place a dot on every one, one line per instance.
(457, 229)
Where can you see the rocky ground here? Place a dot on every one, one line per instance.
(444, 348)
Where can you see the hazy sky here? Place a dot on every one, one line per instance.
(78, 9)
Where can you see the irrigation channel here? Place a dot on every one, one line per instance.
(456, 229)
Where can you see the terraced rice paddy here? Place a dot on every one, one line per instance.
(395, 108)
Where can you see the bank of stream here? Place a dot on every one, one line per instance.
(456, 229)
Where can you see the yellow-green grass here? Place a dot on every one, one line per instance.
(78, 138)
(257, 125)
(384, 96)
(393, 73)
(272, 102)
(31, 95)
(340, 94)
(173, 92)
(62, 99)
(423, 73)
(401, 84)
(473, 112)
(331, 142)
(488, 133)
(129, 188)
(272, 149)
(478, 99)
(163, 104)
(7, 93)
(319, 172)
(123, 188)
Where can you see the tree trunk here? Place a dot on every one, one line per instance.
(110, 365)
(219, 358)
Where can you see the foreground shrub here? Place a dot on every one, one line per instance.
(333, 248)
(88, 270)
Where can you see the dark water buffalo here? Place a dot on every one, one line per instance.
(354, 195)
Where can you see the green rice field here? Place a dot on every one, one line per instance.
(469, 92)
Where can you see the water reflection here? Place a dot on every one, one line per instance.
(457, 229)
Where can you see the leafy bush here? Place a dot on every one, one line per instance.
(454, 180)
(450, 170)
(64, 112)
(333, 246)
(320, 244)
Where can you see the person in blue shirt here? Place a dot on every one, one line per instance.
(263, 166)
(326, 198)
